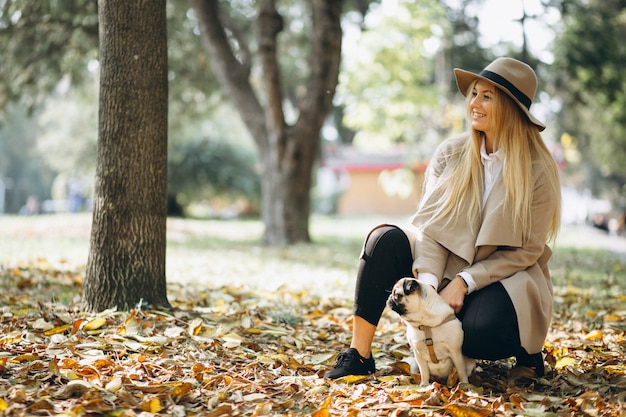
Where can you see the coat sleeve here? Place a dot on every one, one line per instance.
(430, 256)
(505, 261)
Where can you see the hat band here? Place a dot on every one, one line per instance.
(498, 79)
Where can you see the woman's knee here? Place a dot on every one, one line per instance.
(383, 237)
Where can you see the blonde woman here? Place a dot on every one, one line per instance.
(490, 206)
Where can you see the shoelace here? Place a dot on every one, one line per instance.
(343, 356)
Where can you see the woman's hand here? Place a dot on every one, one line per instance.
(454, 293)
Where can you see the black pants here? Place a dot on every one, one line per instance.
(488, 316)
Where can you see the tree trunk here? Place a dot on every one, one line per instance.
(288, 152)
(126, 263)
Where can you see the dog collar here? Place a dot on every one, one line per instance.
(429, 337)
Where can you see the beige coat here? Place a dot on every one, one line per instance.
(491, 250)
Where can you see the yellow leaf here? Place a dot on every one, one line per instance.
(3, 404)
(612, 317)
(564, 362)
(458, 410)
(322, 411)
(152, 406)
(351, 379)
(9, 340)
(25, 357)
(57, 330)
(195, 326)
(95, 324)
(594, 335)
(181, 389)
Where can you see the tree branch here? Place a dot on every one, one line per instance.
(270, 24)
(232, 74)
(324, 63)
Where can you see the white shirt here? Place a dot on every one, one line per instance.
(492, 167)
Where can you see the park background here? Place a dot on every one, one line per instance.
(261, 322)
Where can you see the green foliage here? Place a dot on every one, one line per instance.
(388, 78)
(42, 42)
(590, 56)
(204, 168)
(68, 125)
(22, 170)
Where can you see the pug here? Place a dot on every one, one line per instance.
(433, 331)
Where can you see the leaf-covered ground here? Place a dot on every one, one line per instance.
(244, 350)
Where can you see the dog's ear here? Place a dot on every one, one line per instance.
(411, 285)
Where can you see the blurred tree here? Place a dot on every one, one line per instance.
(59, 85)
(209, 168)
(397, 84)
(283, 117)
(22, 171)
(286, 107)
(461, 45)
(388, 79)
(590, 55)
(43, 41)
(126, 263)
(70, 116)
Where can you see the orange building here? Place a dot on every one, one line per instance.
(380, 183)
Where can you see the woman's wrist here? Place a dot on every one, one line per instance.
(464, 283)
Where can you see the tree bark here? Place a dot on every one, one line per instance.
(288, 152)
(126, 262)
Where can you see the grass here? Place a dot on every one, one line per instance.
(211, 253)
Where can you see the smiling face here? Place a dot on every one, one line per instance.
(481, 107)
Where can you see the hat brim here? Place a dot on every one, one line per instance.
(465, 78)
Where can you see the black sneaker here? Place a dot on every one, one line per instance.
(351, 362)
(534, 362)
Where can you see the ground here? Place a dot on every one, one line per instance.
(253, 329)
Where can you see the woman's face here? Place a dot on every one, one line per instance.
(481, 105)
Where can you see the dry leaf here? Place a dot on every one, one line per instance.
(460, 410)
(228, 356)
(95, 324)
(57, 330)
(76, 387)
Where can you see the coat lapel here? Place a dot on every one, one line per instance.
(465, 239)
(497, 228)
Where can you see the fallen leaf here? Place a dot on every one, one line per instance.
(41, 324)
(57, 330)
(565, 362)
(152, 405)
(594, 335)
(460, 410)
(95, 324)
(76, 387)
(195, 326)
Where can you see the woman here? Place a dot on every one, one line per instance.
(490, 205)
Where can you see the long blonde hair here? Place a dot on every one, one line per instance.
(522, 146)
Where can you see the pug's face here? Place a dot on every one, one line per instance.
(407, 296)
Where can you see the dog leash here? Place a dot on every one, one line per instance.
(429, 337)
